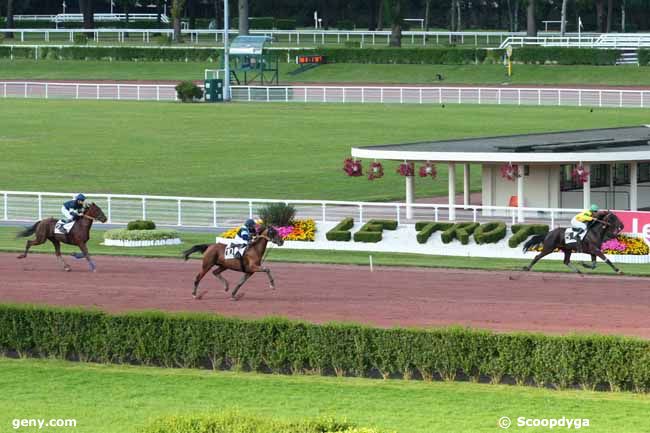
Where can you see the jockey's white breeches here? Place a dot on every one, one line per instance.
(579, 225)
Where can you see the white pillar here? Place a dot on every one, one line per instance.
(410, 190)
(634, 173)
(452, 190)
(612, 173)
(586, 188)
(466, 187)
(520, 193)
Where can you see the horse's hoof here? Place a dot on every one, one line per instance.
(68, 269)
(237, 297)
(620, 273)
(272, 287)
(22, 256)
(525, 268)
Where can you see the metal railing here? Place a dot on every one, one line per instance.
(586, 40)
(62, 18)
(445, 95)
(341, 94)
(193, 212)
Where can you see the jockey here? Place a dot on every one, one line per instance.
(73, 209)
(246, 233)
(580, 221)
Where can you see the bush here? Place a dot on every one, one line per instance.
(141, 225)
(565, 56)
(372, 230)
(644, 57)
(345, 25)
(341, 232)
(285, 24)
(141, 235)
(80, 39)
(164, 39)
(461, 231)
(282, 346)
(490, 233)
(262, 23)
(402, 55)
(277, 214)
(427, 228)
(521, 232)
(187, 91)
(124, 53)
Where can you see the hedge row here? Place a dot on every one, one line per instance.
(111, 53)
(461, 231)
(490, 233)
(341, 232)
(372, 230)
(565, 56)
(644, 57)
(521, 232)
(282, 346)
(426, 228)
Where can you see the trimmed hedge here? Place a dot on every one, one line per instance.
(521, 232)
(141, 235)
(141, 225)
(565, 56)
(461, 231)
(427, 228)
(490, 233)
(282, 346)
(112, 53)
(285, 24)
(644, 57)
(442, 56)
(372, 230)
(341, 232)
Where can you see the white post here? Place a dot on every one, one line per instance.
(226, 54)
(108, 205)
(520, 193)
(410, 189)
(466, 185)
(634, 172)
(586, 188)
(452, 190)
(6, 211)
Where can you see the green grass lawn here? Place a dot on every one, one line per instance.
(112, 399)
(8, 243)
(345, 73)
(291, 151)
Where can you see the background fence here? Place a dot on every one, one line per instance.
(191, 212)
(343, 94)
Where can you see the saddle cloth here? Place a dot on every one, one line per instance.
(235, 251)
(61, 228)
(571, 235)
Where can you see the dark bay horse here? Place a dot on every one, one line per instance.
(79, 235)
(606, 226)
(250, 263)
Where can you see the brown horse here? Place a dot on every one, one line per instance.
(604, 227)
(79, 235)
(250, 263)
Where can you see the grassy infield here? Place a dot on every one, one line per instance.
(134, 147)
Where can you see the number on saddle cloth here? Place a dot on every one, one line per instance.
(62, 228)
(235, 251)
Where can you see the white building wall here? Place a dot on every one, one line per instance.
(541, 186)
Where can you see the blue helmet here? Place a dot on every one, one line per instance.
(80, 197)
(250, 223)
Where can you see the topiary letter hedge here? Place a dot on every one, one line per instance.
(341, 232)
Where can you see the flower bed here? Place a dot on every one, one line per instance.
(301, 230)
(621, 245)
(141, 238)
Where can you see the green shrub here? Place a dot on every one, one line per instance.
(164, 39)
(285, 24)
(2, 38)
(141, 235)
(80, 39)
(262, 23)
(187, 91)
(644, 57)
(460, 231)
(427, 228)
(341, 232)
(565, 56)
(277, 214)
(490, 233)
(402, 55)
(352, 44)
(141, 225)
(282, 346)
(123, 53)
(345, 25)
(521, 232)
(372, 230)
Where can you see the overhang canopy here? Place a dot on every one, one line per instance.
(248, 45)
(591, 145)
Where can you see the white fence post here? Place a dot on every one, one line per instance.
(324, 212)
(40, 207)
(108, 205)
(6, 205)
(180, 214)
(144, 208)
(250, 209)
(360, 214)
(214, 213)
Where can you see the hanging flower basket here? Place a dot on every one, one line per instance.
(509, 171)
(406, 169)
(580, 174)
(428, 170)
(376, 171)
(352, 167)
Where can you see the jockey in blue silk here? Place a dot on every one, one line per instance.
(73, 209)
(246, 233)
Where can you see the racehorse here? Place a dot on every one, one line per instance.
(79, 235)
(604, 227)
(249, 263)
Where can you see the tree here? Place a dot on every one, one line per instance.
(563, 18)
(87, 9)
(177, 11)
(600, 16)
(531, 22)
(380, 15)
(243, 17)
(427, 13)
(10, 18)
(610, 12)
(396, 23)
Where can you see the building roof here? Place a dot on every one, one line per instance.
(591, 145)
(248, 45)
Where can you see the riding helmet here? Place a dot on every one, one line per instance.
(80, 197)
(594, 208)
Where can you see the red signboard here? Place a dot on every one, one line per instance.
(305, 60)
(635, 222)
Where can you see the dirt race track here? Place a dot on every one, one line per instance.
(503, 301)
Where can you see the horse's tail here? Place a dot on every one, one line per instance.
(196, 248)
(28, 231)
(533, 242)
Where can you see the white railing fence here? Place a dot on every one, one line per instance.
(192, 212)
(341, 94)
(591, 40)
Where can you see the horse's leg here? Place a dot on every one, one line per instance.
(567, 262)
(40, 239)
(604, 258)
(593, 263)
(241, 283)
(545, 252)
(217, 273)
(267, 271)
(84, 250)
(59, 257)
